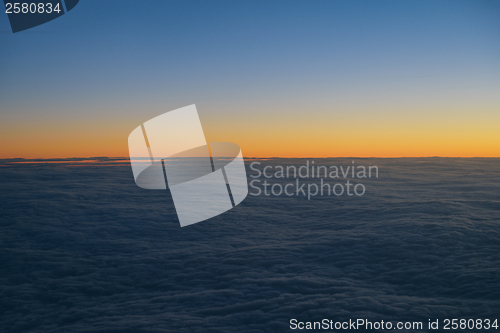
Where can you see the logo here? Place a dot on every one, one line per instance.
(26, 15)
(205, 180)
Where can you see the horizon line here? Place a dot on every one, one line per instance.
(75, 158)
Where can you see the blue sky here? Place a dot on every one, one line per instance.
(108, 59)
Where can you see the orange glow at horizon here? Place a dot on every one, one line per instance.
(269, 134)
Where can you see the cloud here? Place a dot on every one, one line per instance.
(86, 250)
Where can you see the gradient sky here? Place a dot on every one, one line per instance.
(279, 78)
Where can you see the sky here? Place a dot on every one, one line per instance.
(278, 78)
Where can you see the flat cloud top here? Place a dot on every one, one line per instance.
(85, 250)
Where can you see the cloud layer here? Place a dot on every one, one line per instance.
(85, 250)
